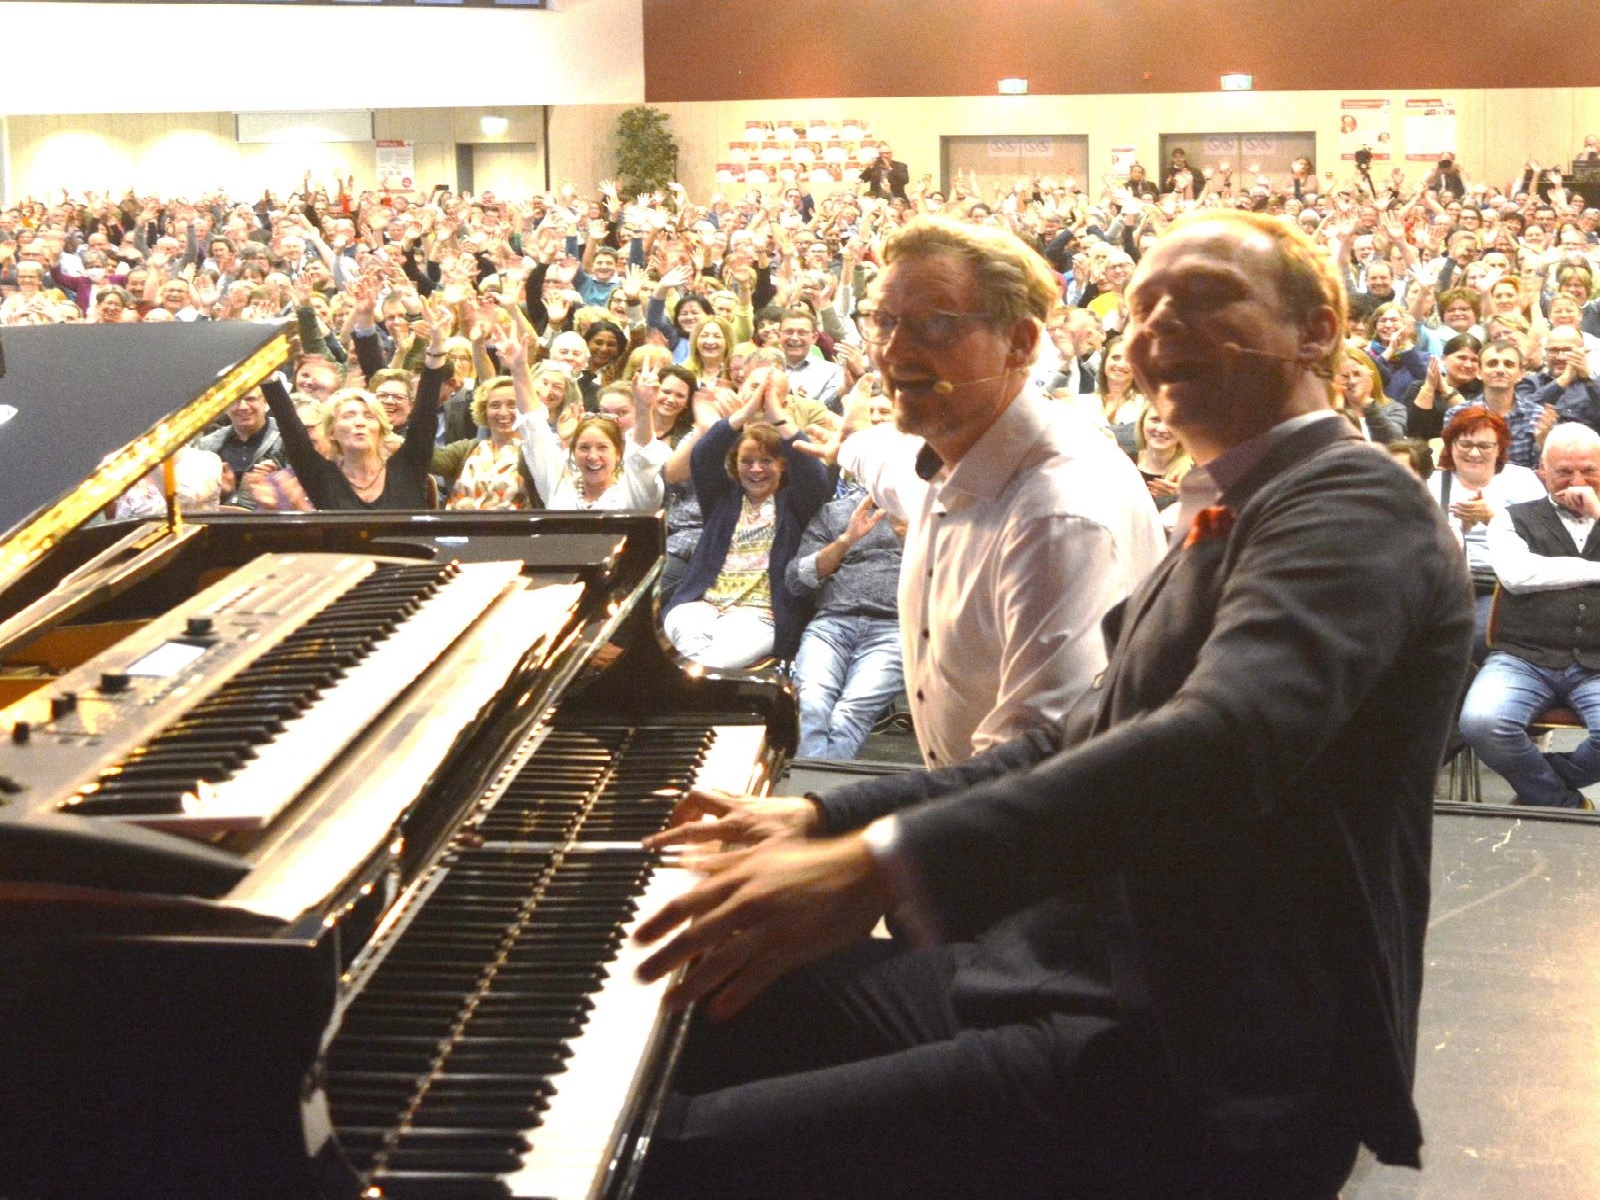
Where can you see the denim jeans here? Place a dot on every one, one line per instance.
(1508, 693)
(848, 669)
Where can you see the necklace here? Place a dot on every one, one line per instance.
(375, 476)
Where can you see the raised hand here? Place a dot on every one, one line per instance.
(440, 320)
(862, 521)
(677, 277)
(513, 352)
(364, 294)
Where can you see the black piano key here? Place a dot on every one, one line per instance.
(127, 807)
(506, 958)
(465, 1159)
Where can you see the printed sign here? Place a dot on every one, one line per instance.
(1364, 124)
(397, 166)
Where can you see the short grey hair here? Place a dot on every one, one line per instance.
(1571, 435)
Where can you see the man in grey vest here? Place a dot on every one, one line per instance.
(1546, 652)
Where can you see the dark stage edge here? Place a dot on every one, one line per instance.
(1508, 1058)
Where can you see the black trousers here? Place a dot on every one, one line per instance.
(856, 1078)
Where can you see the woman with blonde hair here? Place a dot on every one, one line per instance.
(1393, 348)
(710, 347)
(489, 473)
(1120, 399)
(1162, 458)
(1358, 393)
(370, 467)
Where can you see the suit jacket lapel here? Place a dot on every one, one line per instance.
(1302, 443)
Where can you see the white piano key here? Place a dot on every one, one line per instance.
(572, 1150)
(282, 769)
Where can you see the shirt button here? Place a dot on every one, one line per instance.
(924, 635)
(933, 756)
(920, 696)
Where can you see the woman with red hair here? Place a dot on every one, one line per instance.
(1474, 483)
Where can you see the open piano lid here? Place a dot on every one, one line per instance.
(98, 406)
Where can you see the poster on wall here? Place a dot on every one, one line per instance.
(1430, 129)
(397, 166)
(1123, 157)
(1365, 124)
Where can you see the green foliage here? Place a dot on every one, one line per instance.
(647, 155)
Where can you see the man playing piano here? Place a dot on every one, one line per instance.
(1172, 946)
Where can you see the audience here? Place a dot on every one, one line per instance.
(1546, 650)
(422, 325)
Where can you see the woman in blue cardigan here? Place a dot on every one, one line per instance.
(758, 493)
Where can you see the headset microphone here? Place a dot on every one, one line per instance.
(943, 387)
(1234, 350)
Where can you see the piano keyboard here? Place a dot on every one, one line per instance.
(497, 1044)
(237, 757)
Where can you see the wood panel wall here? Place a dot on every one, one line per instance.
(749, 49)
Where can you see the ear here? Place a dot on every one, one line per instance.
(1318, 336)
(1024, 341)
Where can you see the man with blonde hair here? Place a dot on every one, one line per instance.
(1024, 524)
(1173, 944)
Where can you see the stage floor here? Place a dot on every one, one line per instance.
(1508, 1060)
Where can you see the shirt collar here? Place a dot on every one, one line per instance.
(987, 467)
(1567, 515)
(1238, 461)
(1205, 485)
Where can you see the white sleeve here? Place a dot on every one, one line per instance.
(885, 461)
(1519, 569)
(641, 472)
(542, 451)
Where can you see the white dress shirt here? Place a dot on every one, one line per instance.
(1012, 556)
(1519, 569)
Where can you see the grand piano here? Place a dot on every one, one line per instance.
(319, 834)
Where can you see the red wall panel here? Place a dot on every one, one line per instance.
(757, 49)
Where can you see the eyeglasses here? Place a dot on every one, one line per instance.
(1477, 447)
(392, 395)
(934, 330)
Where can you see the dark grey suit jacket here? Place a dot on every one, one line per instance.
(1241, 809)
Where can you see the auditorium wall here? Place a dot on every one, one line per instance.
(752, 49)
(204, 58)
(190, 153)
(1496, 131)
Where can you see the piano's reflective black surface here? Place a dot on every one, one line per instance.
(405, 972)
